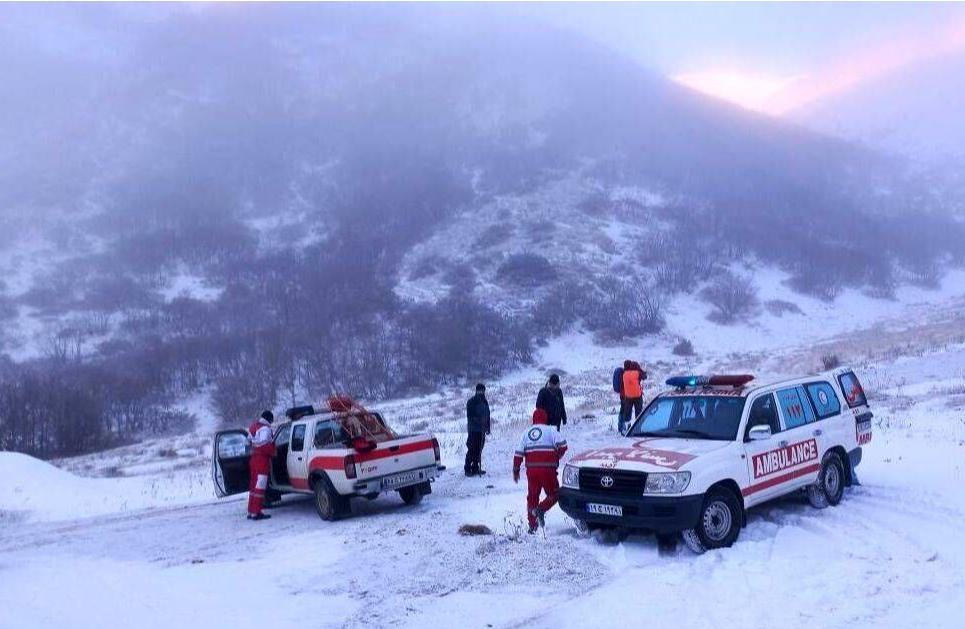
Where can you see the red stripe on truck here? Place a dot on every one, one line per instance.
(783, 478)
(338, 462)
(384, 453)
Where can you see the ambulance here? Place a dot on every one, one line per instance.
(335, 451)
(711, 447)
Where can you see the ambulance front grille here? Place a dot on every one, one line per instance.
(623, 482)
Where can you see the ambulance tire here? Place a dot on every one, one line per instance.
(829, 488)
(411, 495)
(719, 523)
(329, 504)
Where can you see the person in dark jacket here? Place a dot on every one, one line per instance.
(478, 426)
(550, 399)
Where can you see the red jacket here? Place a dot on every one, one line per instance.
(262, 439)
(540, 446)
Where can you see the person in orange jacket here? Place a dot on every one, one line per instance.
(262, 441)
(632, 405)
(541, 448)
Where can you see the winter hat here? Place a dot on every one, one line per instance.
(628, 364)
(540, 416)
(480, 388)
(554, 379)
(268, 416)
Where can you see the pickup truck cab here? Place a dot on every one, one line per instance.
(336, 451)
(705, 451)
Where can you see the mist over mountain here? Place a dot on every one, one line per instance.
(914, 111)
(266, 203)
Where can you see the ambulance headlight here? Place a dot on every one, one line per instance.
(571, 477)
(670, 483)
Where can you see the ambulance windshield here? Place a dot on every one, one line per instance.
(691, 417)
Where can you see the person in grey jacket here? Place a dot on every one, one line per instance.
(478, 426)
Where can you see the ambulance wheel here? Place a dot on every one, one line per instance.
(411, 495)
(829, 488)
(328, 503)
(719, 523)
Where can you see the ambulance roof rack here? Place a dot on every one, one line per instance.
(736, 381)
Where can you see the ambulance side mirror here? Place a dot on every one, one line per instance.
(761, 432)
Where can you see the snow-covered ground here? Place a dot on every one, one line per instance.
(890, 555)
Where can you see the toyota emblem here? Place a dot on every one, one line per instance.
(607, 481)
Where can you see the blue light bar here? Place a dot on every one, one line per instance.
(681, 382)
(687, 381)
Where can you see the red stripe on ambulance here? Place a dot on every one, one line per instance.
(777, 480)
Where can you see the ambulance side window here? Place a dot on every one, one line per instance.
(763, 413)
(795, 407)
(825, 400)
(298, 438)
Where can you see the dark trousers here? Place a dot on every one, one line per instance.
(630, 408)
(474, 448)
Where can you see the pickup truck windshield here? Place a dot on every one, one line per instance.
(691, 417)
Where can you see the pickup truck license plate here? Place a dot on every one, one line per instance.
(592, 507)
(400, 480)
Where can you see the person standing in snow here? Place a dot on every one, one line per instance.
(262, 442)
(542, 449)
(633, 377)
(478, 426)
(618, 388)
(550, 400)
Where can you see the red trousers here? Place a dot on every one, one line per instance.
(259, 467)
(540, 479)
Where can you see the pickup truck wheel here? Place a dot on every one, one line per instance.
(411, 495)
(719, 523)
(829, 488)
(328, 503)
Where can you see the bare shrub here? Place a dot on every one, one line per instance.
(527, 270)
(732, 297)
(620, 309)
(558, 309)
(683, 348)
(830, 361)
(492, 236)
(780, 307)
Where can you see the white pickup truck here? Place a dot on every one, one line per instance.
(336, 451)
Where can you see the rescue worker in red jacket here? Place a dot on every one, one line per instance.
(262, 442)
(541, 448)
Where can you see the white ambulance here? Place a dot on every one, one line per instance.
(704, 452)
(336, 451)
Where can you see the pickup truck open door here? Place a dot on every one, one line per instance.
(229, 465)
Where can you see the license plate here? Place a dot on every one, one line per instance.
(400, 480)
(592, 507)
